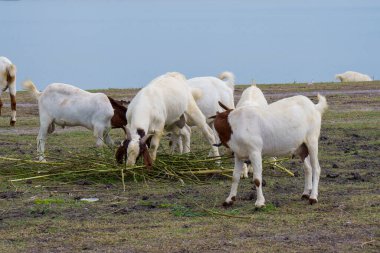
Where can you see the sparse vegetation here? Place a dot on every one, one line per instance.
(166, 215)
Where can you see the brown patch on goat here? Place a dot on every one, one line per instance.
(302, 151)
(148, 162)
(119, 119)
(181, 122)
(257, 182)
(223, 127)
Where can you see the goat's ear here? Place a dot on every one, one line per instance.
(121, 153)
(181, 122)
(223, 106)
(148, 162)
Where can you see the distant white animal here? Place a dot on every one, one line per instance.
(352, 76)
(8, 81)
(67, 105)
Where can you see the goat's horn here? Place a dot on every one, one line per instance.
(145, 138)
(128, 132)
(223, 106)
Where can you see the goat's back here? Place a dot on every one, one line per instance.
(213, 90)
(279, 128)
(163, 99)
(71, 106)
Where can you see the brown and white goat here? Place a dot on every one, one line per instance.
(8, 81)
(290, 125)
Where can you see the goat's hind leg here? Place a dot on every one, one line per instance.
(41, 140)
(256, 163)
(308, 178)
(316, 171)
(195, 115)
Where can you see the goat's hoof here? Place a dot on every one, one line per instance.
(312, 201)
(13, 123)
(259, 205)
(243, 176)
(305, 196)
(228, 204)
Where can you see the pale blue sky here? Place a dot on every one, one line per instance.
(120, 44)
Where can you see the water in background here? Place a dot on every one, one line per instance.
(101, 44)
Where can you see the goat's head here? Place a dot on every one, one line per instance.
(221, 124)
(119, 119)
(132, 148)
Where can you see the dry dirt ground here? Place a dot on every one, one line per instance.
(47, 215)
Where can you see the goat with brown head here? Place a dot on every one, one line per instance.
(119, 119)
(132, 148)
(222, 126)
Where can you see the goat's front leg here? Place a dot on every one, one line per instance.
(235, 181)
(186, 134)
(256, 162)
(316, 171)
(154, 143)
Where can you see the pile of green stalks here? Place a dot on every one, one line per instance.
(99, 165)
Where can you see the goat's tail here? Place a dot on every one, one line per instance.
(29, 86)
(229, 78)
(176, 75)
(322, 104)
(197, 93)
(11, 73)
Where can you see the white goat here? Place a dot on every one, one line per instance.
(290, 125)
(8, 81)
(157, 106)
(352, 76)
(208, 92)
(251, 96)
(66, 105)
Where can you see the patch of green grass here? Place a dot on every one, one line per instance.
(48, 201)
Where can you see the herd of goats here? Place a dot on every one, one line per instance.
(172, 103)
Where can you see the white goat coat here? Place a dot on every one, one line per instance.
(67, 105)
(277, 129)
(212, 90)
(158, 106)
(252, 96)
(352, 76)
